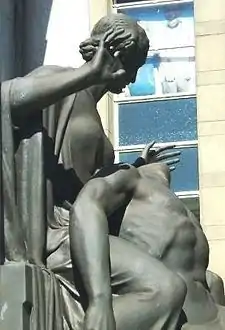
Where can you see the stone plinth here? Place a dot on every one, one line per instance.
(29, 298)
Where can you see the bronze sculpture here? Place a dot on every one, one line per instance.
(28, 157)
(47, 158)
(171, 233)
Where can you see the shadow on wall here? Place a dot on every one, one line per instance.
(23, 28)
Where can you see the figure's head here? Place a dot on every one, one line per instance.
(130, 59)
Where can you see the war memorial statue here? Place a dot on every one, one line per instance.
(86, 243)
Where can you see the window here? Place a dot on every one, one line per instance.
(161, 104)
(170, 67)
(168, 120)
(165, 72)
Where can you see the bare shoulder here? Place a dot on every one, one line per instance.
(108, 193)
(123, 179)
(94, 189)
(159, 168)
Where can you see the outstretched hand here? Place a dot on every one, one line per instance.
(155, 155)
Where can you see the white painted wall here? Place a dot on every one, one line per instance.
(69, 24)
(45, 31)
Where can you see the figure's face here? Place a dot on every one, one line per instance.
(130, 64)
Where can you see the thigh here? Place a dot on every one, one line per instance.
(132, 269)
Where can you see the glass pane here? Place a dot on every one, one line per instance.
(129, 157)
(161, 120)
(167, 26)
(145, 83)
(184, 177)
(169, 71)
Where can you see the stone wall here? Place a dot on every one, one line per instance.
(210, 61)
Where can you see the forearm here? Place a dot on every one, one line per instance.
(35, 92)
(90, 249)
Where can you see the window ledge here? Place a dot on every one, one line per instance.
(139, 4)
(151, 98)
(186, 195)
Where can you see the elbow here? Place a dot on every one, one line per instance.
(20, 93)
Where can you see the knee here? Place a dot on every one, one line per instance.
(214, 280)
(156, 279)
(174, 289)
(167, 285)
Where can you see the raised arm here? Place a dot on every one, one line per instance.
(37, 91)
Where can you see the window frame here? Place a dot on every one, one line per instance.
(148, 3)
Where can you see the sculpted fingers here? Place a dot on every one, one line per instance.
(118, 74)
(172, 161)
(116, 34)
(168, 155)
(168, 147)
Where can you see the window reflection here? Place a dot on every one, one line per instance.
(167, 72)
(161, 120)
(167, 26)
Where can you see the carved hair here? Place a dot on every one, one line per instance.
(118, 21)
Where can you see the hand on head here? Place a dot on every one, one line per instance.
(114, 40)
(104, 55)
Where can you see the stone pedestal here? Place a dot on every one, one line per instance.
(29, 298)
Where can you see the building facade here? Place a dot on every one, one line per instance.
(210, 64)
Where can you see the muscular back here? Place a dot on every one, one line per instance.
(158, 222)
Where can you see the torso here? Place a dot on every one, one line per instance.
(160, 223)
(86, 148)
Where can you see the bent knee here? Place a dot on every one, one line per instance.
(171, 287)
(214, 280)
(174, 289)
(159, 280)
